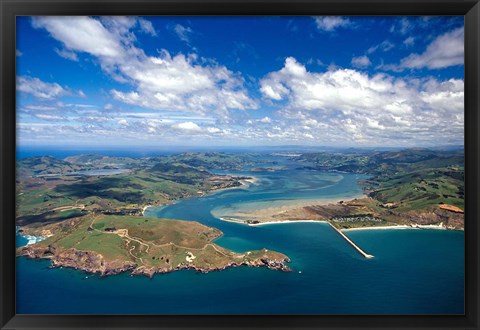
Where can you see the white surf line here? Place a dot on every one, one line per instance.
(366, 255)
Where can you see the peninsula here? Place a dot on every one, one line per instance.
(108, 245)
(89, 210)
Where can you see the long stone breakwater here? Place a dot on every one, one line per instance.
(363, 253)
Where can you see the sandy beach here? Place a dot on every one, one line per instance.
(284, 221)
(380, 228)
(252, 180)
(290, 210)
(245, 183)
(413, 226)
(296, 212)
(145, 208)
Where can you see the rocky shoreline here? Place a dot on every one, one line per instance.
(95, 263)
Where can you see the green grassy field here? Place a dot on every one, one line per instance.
(404, 186)
(412, 179)
(421, 189)
(211, 160)
(153, 245)
(38, 197)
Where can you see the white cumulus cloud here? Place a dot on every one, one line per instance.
(163, 82)
(410, 41)
(39, 88)
(351, 106)
(183, 32)
(69, 55)
(81, 34)
(330, 23)
(147, 27)
(361, 61)
(446, 50)
(213, 130)
(384, 46)
(122, 122)
(188, 126)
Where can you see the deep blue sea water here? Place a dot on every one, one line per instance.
(24, 152)
(141, 151)
(414, 271)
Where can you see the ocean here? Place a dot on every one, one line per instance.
(415, 271)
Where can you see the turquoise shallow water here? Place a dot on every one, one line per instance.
(413, 272)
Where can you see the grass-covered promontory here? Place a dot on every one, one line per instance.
(113, 244)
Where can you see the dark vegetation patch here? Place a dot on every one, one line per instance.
(48, 217)
(104, 188)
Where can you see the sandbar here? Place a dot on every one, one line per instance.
(283, 221)
(290, 210)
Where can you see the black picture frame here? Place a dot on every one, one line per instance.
(12, 8)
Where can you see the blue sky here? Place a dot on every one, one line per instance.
(240, 81)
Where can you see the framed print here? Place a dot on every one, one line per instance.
(253, 165)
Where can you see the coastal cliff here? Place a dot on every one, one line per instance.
(108, 245)
(94, 262)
